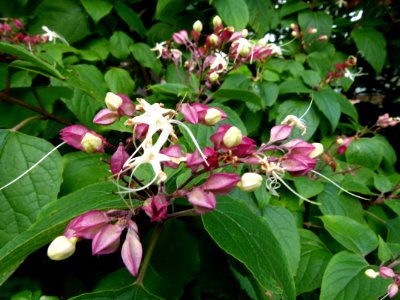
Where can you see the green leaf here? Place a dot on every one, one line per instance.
(326, 102)
(365, 152)
(233, 118)
(249, 239)
(263, 16)
(238, 94)
(233, 13)
(119, 45)
(66, 17)
(97, 9)
(319, 20)
(351, 234)
(313, 261)
(40, 65)
(344, 278)
(119, 81)
(52, 220)
(133, 292)
(167, 10)
(320, 62)
(372, 45)
(176, 240)
(21, 202)
(293, 86)
(290, 8)
(147, 58)
(269, 92)
(283, 226)
(130, 17)
(87, 167)
(307, 187)
(99, 47)
(311, 78)
(171, 89)
(382, 183)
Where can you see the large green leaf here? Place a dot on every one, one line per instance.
(372, 45)
(37, 64)
(224, 94)
(351, 234)
(249, 239)
(133, 292)
(52, 220)
(97, 9)
(365, 152)
(263, 16)
(313, 261)
(283, 226)
(119, 81)
(344, 279)
(233, 13)
(130, 17)
(328, 105)
(119, 45)
(147, 58)
(66, 17)
(21, 202)
(320, 21)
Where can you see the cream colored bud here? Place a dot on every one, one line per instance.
(213, 39)
(113, 101)
(217, 21)
(198, 26)
(318, 150)
(91, 143)
(293, 26)
(312, 30)
(213, 77)
(244, 51)
(339, 141)
(213, 115)
(245, 33)
(232, 137)
(371, 273)
(249, 181)
(294, 34)
(61, 247)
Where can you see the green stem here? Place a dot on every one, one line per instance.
(24, 122)
(146, 260)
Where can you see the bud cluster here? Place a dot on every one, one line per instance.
(386, 272)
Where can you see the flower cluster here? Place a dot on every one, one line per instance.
(155, 142)
(386, 273)
(217, 53)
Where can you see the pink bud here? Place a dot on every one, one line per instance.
(343, 144)
(279, 133)
(81, 138)
(202, 201)
(393, 289)
(107, 239)
(189, 113)
(18, 24)
(156, 208)
(246, 147)
(172, 151)
(87, 225)
(386, 272)
(298, 165)
(298, 146)
(118, 159)
(181, 37)
(140, 131)
(221, 183)
(195, 160)
(105, 117)
(132, 251)
(127, 108)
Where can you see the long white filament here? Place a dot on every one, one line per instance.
(32, 167)
(338, 186)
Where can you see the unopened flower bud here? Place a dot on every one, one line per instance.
(217, 21)
(113, 101)
(244, 51)
(91, 143)
(233, 137)
(249, 181)
(386, 272)
(322, 38)
(352, 60)
(213, 77)
(213, 39)
(371, 273)
(197, 26)
(393, 289)
(312, 30)
(293, 26)
(245, 33)
(318, 150)
(61, 247)
(295, 34)
(213, 115)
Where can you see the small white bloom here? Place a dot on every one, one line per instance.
(159, 47)
(250, 181)
(61, 247)
(52, 35)
(220, 62)
(352, 76)
(113, 101)
(292, 120)
(371, 273)
(275, 49)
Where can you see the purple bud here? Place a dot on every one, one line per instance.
(279, 133)
(156, 208)
(386, 272)
(140, 131)
(298, 146)
(18, 24)
(87, 225)
(221, 183)
(81, 138)
(298, 165)
(105, 117)
(107, 239)
(202, 201)
(127, 108)
(393, 289)
(132, 251)
(174, 151)
(118, 159)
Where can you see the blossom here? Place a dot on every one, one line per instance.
(219, 62)
(52, 36)
(292, 120)
(83, 139)
(159, 48)
(385, 121)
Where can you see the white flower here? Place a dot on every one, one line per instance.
(275, 49)
(61, 247)
(52, 35)
(352, 76)
(159, 47)
(292, 120)
(220, 62)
